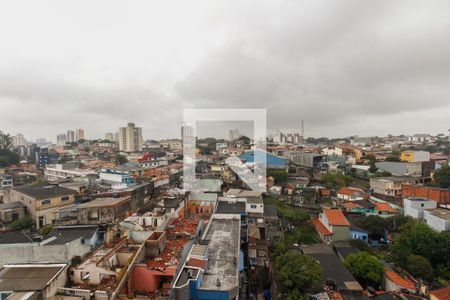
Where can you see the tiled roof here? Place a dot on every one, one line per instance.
(398, 280)
(336, 217)
(350, 205)
(349, 191)
(385, 207)
(441, 294)
(320, 228)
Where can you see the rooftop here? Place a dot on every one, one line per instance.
(105, 202)
(12, 205)
(440, 213)
(399, 280)
(231, 207)
(44, 191)
(28, 277)
(441, 294)
(320, 228)
(63, 235)
(334, 270)
(336, 217)
(223, 236)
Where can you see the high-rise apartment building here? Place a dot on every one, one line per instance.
(70, 136)
(187, 131)
(130, 138)
(61, 139)
(233, 134)
(79, 134)
(19, 140)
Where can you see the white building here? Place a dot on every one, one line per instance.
(59, 172)
(79, 134)
(130, 138)
(19, 140)
(438, 218)
(70, 136)
(233, 134)
(415, 207)
(61, 139)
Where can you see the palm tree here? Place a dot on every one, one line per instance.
(6, 141)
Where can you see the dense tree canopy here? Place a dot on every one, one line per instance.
(365, 267)
(442, 177)
(299, 274)
(120, 159)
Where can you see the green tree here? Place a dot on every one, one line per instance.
(299, 274)
(120, 159)
(280, 176)
(442, 177)
(365, 267)
(23, 223)
(420, 267)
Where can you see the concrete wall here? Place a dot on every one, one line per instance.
(34, 253)
(415, 208)
(340, 233)
(435, 222)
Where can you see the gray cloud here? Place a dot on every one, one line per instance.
(346, 67)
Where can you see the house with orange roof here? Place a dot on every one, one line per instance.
(332, 225)
(440, 294)
(395, 282)
(350, 194)
(383, 209)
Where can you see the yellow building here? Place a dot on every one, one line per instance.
(43, 203)
(415, 156)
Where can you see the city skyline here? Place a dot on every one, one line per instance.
(353, 68)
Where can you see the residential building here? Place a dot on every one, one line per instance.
(79, 134)
(105, 272)
(334, 270)
(12, 211)
(103, 210)
(28, 281)
(415, 156)
(61, 139)
(59, 246)
(438, 218)
(6, 181)
(440, 294)
(19, 140)
(414, 207)
(395, 282)
(412, 169)
(233, 135)
(211, 270)
(390, 186)
(43, 202)
(358, 206)
(70, 136)
(64, 172)
(332, 226)
(130, 138)
(350, 194)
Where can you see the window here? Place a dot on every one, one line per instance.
(253, 206)
(422, 205)
(64, 198)
(46, 201)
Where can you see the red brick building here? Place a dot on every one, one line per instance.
(441, 196)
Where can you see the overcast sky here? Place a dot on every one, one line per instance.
(345, 67)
